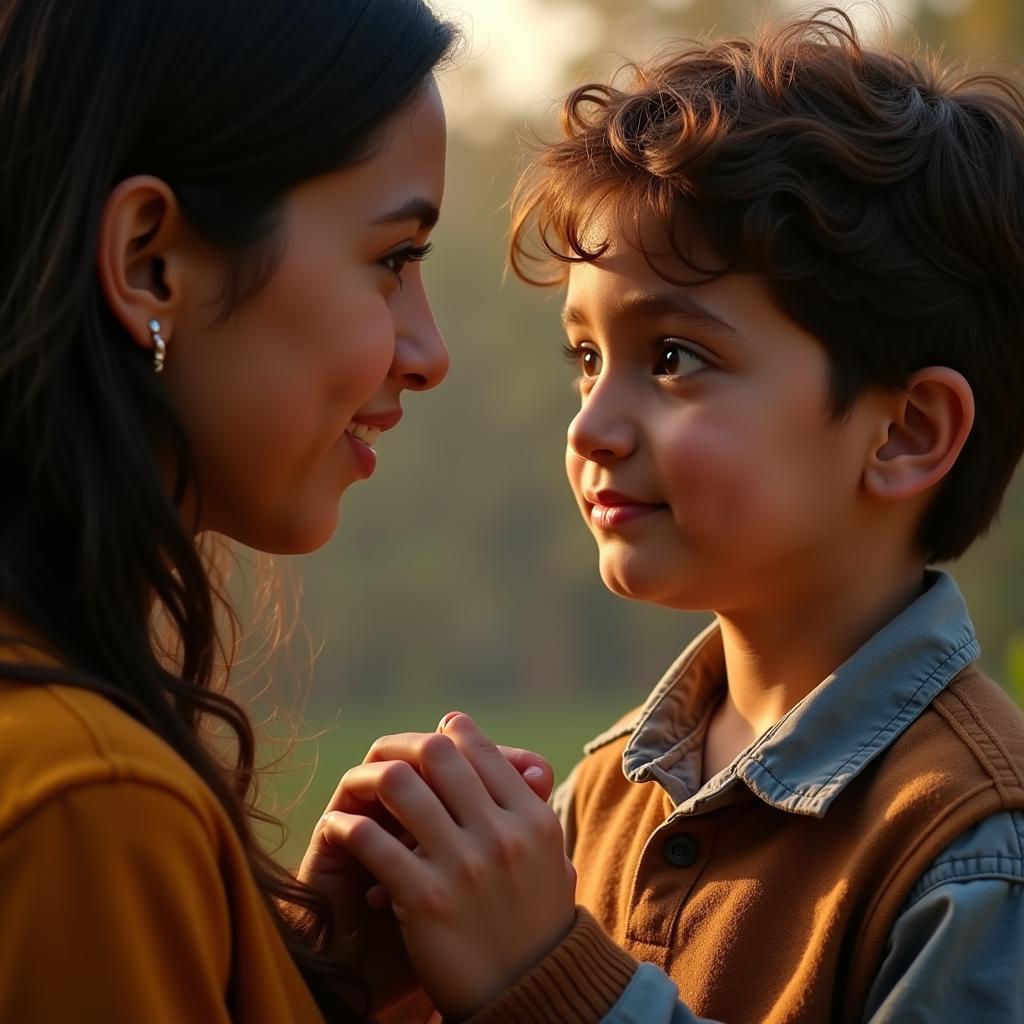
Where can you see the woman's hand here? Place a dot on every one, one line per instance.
(366, 934)
(487, 891)
(362, 936)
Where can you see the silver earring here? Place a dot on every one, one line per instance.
(159, 347)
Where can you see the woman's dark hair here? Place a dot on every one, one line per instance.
(232, 104)
(881, 199)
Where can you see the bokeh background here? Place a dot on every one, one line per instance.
(461, 576)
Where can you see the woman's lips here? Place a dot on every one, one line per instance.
(610, 510)
(365, 456)
(362, 433)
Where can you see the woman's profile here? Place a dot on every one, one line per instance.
(210, 307)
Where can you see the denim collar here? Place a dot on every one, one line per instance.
(806, 759)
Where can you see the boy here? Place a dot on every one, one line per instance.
(794, 278)
(795, 295)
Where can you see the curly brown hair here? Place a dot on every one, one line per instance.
(881, 198)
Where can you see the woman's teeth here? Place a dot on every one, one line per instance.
(360, 431)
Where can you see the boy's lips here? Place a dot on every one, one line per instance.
(611, 509)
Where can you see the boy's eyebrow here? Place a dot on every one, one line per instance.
(647, 304)
(418, 208)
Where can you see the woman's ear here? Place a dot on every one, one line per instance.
(138, 256)
(929, 422)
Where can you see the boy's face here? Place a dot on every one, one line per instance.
(703, 458)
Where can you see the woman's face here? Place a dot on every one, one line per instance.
(283, 400)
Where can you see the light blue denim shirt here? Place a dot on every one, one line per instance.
(956, 952)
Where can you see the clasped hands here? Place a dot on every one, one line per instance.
(444, 866)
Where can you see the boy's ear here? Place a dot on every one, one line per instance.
(139, 256)
(929, 422)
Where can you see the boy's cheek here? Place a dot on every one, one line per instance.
(708, 478)
(731, 506)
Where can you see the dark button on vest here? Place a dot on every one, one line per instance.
(681, 851)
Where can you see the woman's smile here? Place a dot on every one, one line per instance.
(362, 434)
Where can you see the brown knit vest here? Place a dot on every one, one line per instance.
(783, 917)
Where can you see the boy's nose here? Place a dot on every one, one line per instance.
(599, 435)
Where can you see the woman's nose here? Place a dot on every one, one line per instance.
(601, 431)
(421, 357)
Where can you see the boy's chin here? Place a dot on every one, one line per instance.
(652, 587)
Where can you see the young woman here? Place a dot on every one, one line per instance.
(210, 307)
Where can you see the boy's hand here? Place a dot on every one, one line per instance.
(363, 937)
(487, 887)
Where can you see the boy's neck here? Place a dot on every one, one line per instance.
(775, 658)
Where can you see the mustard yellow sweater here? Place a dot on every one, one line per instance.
(125, 895)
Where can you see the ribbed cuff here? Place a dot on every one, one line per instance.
(578, 982)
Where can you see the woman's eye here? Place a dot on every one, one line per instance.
(587, 360)
(397, 261)
(676, 360)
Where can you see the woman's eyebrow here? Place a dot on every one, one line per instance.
(647, 304)
(417, 208)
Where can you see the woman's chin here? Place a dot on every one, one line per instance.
(291, 537)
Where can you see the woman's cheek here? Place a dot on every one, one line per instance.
(364, 353)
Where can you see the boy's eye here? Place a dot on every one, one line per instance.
(590, 362)
(585, 358)
(675, 359)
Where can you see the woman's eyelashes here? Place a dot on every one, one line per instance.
(674, 358)
(396, 261)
